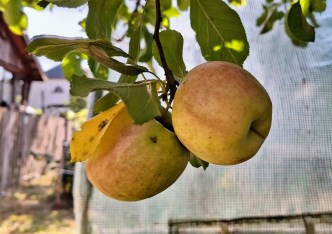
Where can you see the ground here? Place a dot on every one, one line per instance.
(32, 209)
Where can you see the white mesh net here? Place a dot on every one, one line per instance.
(291, 174)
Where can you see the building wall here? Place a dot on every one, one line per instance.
(5, 91)
(52, 92)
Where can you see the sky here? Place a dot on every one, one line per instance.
(64, 22)
(58, 21)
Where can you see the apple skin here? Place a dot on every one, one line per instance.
(221, 113)
(135, 162)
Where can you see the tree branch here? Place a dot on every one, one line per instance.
(171, 82)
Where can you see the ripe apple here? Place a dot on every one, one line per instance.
(221, 113)
(135, 162)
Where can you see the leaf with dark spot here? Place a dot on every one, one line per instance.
(102, 124)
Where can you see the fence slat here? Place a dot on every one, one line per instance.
(28, 143)
(7, 141)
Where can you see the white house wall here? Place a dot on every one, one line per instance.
(5, 92)
(42, 93)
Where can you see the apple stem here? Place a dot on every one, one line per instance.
(171, 83)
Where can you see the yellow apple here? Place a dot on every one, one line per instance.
(221, 113)
(135, 162)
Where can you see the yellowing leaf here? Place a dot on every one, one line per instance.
(85, 142)
(113, 131)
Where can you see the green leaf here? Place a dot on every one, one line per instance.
(171, 12)
(14, 17)
(165, 4)
(261, 19)
(101, 56)
(219, 31)
(197, 162)
(34, 4)
(166, 9)
(56, 48)
(150, 12)
(111, 99)
(295, 41)
(43, 3)
(269, 17)
(123, 13)
(109, 48)
(71, 65)
(101, 17)
(19, 28)
(134, 51)
(318, 5)
(101, 50)
(68, 3)
(238, 3)
(141, 99)
(98, 70)
(298, 24)
(172, 43)
(146, 51)
(105, 102)
(305, 6)
(183, 5)
(82, 23)
(12, 12)
(311, 17)
(135, 41)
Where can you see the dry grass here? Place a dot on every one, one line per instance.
(30, 209)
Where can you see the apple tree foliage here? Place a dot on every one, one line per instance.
(146, 26)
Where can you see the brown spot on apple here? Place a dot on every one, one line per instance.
(153, 139)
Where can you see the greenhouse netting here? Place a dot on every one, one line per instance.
(285, 188)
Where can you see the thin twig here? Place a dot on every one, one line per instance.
(171, 82)
(157, 77)
(138, 4)
(144, 77)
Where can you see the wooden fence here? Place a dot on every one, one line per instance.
(28, 143)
